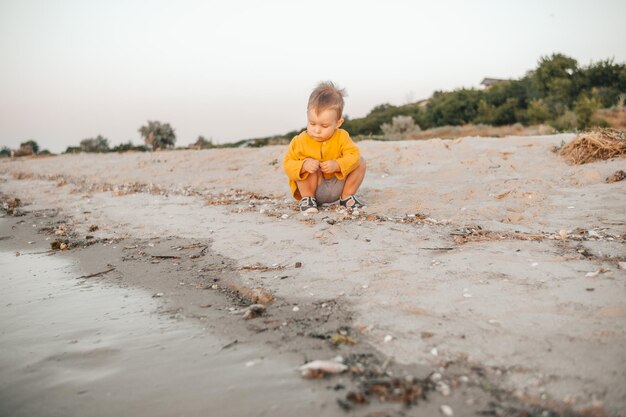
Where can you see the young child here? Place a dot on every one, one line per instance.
(323, 164)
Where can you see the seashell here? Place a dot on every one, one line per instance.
(318, 368)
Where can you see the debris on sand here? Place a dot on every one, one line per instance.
(407, 390)
(476, 234)
(341, 339)
(60, 244)
(256, 295)
(261, 267)
(318, 368)
(617, 176)
(255, 310)
(595, 145)
(11, 206)
(97, 274)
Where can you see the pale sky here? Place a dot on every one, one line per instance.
(229, 70)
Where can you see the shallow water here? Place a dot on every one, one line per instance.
(74, 347)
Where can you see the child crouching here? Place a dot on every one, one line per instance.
(323, 163)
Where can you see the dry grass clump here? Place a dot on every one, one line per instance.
(595, 145)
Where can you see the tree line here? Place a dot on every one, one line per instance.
(558, 92)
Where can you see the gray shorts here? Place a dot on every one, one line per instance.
(329, 190)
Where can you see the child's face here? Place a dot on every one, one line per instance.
(322, 126)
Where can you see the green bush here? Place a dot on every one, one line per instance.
(97, 144)
(400, 127)
(566, 122)
(584, 108)
(128, 146)
(538, 112)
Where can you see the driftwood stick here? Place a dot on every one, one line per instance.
(96, 274)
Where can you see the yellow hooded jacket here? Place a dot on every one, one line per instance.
(339, 148)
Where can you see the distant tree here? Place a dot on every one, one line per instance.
(33, 145)
(25, 149)
(45, 152)
(4, 152)
(158, 135)
(203, 143)
(97, 144)
(553, 79)
(604, 78)
(458, 107)
(73, 149)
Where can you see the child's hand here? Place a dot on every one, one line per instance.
(328, 167)
(310, 165)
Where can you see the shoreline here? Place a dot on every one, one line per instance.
(432, 321)
(217, 305)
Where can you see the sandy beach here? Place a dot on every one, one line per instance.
(489, 262)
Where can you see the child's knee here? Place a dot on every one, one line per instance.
(361, 166)
(311, 177)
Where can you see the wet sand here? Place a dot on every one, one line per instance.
(489, 257)
(76, 347)
(97, 330)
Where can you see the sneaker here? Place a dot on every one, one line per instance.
(351, 202)
(308, 205)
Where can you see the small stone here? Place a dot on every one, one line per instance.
(563, 234)
(296, 309)
(388, 338)
(298, 264)
(446, 410)
(621, 265)
(158, 295)
(365, 286)
(434, 352)
(284, 216)
(443, 388)
(436, 377)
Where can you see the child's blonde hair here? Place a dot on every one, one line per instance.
(327, 96)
